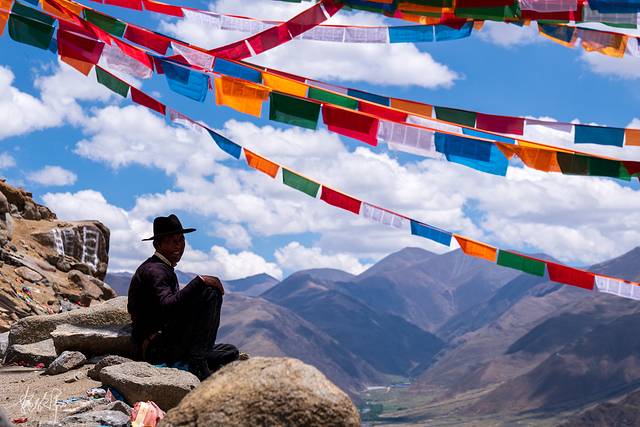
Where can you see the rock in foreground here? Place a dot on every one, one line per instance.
(140, 381)
(265, 391)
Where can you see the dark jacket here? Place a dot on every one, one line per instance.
(155, 297)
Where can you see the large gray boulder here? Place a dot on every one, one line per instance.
(109, 314)
(32, 354)
(67, 361)
(93, 341)
(140, 381)
(266, 392)
(111, 360)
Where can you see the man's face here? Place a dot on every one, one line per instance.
(172, 247)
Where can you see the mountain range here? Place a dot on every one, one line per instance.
(475, 340)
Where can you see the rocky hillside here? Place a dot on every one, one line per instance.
(47, 265)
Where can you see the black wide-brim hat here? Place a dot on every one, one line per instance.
(167, 225)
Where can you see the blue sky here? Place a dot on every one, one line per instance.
(90, 155)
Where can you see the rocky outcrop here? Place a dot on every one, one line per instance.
(110, 314)
(46, 263)
(140, 381)
(96, 418)
(31, 354)
(265, 391)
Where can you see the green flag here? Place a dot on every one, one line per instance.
(30, 31)
(332, 98)
(107, 23)
(294, 111)
(300, 183)
(461, 117)
(112, 82)
(522, 263)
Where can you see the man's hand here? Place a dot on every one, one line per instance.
(213, 282)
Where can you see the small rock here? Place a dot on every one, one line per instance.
(32, 354)
(108, 418)
(9, 225)
(72, 379)
(28, 274)
(111, 360)
(265, 391)
(119, 405)
(67, 361)
(140, 381)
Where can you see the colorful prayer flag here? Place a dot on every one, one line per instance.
(261, 164)
(232, 69)
(340, 200)
(240, 95)
(186, 82)
(599, 135)
(225, 144)
(112, 82)
(351, 123)
(476, 249)
(284, 85)
(453, 115)
(300, 183)
(294, 111)
(570, 276)
(500, 124)
(143, 99)
(332, 98)
(521, 262)
(431, 233)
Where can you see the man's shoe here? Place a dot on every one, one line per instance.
(243, 356)
(199, 368)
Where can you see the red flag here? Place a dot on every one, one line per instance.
(340, 200)
(351, 123)
(135, 53)
(167, 9)
(500, 124)
(570, 276)
(305, 20)
(270, 38)
(147, 38)
(144, 99)
(130, 4)
(382, 112)
(237, 50)
(78, 46)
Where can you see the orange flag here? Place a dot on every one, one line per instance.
(83, 67)
(476, 249)
(283, 85)
(241, 96)
(261, 164)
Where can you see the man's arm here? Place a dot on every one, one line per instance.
(213, 282)
(162, 283)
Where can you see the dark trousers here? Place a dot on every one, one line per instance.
(191, 333)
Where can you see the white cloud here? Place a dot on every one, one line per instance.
(7, 161)
(235, 235)
(509, 35)
(627, 67)
(53, 175)
(220, 262)
(387, 64)
(295, 256)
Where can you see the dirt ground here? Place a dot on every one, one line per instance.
(27, 392)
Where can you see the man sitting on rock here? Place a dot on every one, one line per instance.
(171, 324)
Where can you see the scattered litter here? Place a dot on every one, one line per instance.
(21, 420)
(70, 400)
(40, 365)
(96, 392)
(146, 414)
